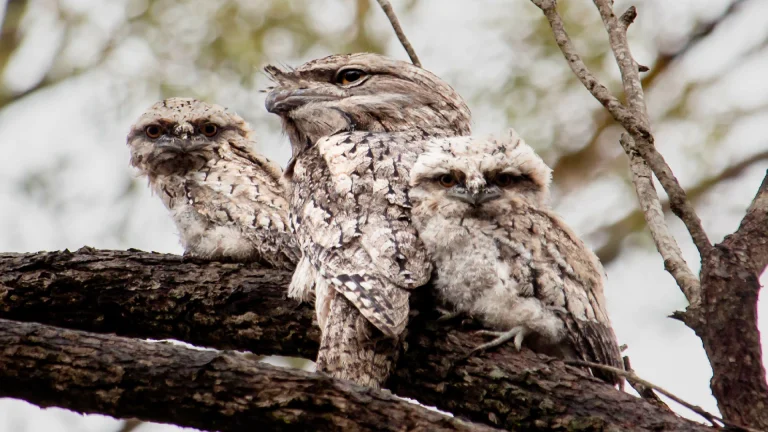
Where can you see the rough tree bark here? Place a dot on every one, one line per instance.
(159, 296)
(122, 292)
(726, 317)
(210, 390)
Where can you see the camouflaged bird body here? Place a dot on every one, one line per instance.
(228, 202)
(231, 208)
(349, 205)
(525, 268)
(351, 215)
(502, 256)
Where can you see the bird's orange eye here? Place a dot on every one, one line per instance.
(153, 131)
(350, 76)
(447, 180)
(503, 180)
(209, 129)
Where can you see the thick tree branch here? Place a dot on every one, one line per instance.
(514, 389)
(150, 295)
(726, 319)
(634, 125)
(162, 296)
(674, 262)
(209, 390)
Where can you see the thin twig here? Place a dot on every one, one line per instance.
(653, 212)
(630, 376)
(635, 220)
(636, 127)
(387, 8)
(573, 164)
(646, 393)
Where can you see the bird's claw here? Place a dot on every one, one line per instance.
(517, 333)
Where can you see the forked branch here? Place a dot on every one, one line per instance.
(723, 307)
(633, 123)
(674, 262)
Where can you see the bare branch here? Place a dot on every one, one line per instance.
(636, 127)
(634, 221)
(633, 88)
(211, 390)
(646, 393)
(674, 262)
(739, 260)
(724, 315)
(390, 12)
(630, 75)
(570, 168)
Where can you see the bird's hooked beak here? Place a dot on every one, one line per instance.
(290, 92)
(282, 100)
(476, 198)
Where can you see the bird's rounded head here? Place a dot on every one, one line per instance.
(363, 92)
(177, 135)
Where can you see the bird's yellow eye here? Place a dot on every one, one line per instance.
(350, 76)
(209, 129)
(153, 131)
(503, 180)
(447, 180)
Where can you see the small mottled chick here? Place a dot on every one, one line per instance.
(502, 256)
(227, 201)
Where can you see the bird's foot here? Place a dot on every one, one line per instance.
(517, 333)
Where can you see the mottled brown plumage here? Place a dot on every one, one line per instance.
(355, 122)
(227, 200)
(502, 256)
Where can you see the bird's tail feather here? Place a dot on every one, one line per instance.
(596, 342)
(351, 348)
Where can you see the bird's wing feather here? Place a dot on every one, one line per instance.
(243, 195)
(568, 276)
(353, 221)
(379, 164)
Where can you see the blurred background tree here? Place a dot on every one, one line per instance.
(74, 74)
